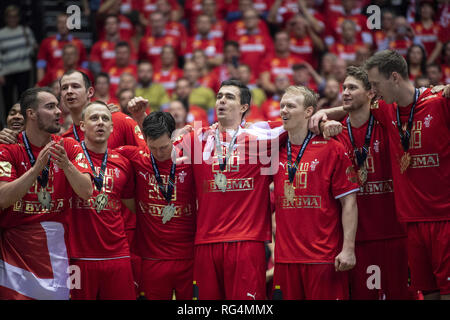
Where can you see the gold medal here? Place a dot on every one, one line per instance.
(405, 162)
(221, 181)
(289, 192)
(362, 175)
(168, 213)
(45, 199)
(101, 200)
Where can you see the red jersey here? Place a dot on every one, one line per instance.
(271, 109)
(168, 78)
(155, 239)
(104, 52)
(276, 65)
(147, 7)
(101, 234)
(421, 192)
(303, 49)
(347, 51)
(126, 29)
(233, 215)
(210, 45)
(429, 37)
(401, 46)
(114, 76)
(377, 218)
(335, 31)
(193, 8)
(14, 162)
(218, 29)
(50, 51)
(126, 132)
(197, 113)
(210, 80)
(150, 48)
(237, 28)
(254, 48)
(56, 73)
(309, 230)
(254, 114)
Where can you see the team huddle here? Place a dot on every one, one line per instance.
(354, 198)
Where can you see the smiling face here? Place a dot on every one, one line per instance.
(15, 120)
(293, 112)
(383, 87)
(355, 96)
(96, 124)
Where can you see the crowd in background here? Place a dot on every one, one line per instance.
(169, 50)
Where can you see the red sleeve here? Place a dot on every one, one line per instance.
(128, 190)
(42, 53)
(343, 179)
(7, 165)
(133, 133)
(76, 155)
(95, 53)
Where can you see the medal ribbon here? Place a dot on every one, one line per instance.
(167, 193)
(43, 178)
(223, 164)
(292, 169)
(77, 137)
(98, 180)
(404, 136)
(361, 156)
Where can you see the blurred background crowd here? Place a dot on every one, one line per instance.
(175, 53)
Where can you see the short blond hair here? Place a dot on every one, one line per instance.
(310, 97)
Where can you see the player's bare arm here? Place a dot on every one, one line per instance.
(80, 182)
(130, 204)
(137, 107)
(337, 113)
(346, 259)
(10, 192)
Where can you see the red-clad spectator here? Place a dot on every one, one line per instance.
(334, 28)
(228, 69)
(402, 38)
(245, 76)
(434, 74)
(213, 8)
(150, 46)
(183, 91)
(70, 59)
(280, 63)
(254, 45)
(235, 8)
(168, 73)
(170, 8)
(213, 47)
(238, 28)
(50, 49)
(103, 52)
(304, 42)
(102, 92)
(348, 47)
(386, 31)
(172, 26)
(305, 75)
(416, 58)
(123, 64)
(331, 95)
(271, 107)
(427, 30)
(336, 7)
(112, 7)
(282, 11)
(207, 78)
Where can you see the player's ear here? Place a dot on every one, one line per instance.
(82, 126)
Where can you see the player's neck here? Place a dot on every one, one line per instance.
(360, 116)
(298, 135)
(405, 95)
(76, 115)
(100, 147)
(225, 125)
(36, 136)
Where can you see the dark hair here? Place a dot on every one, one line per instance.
(102, 75)
(158, 123)
(423, 62)
(86, 80)
(112, 16)
(29, 99)
(246, 95)
(231, 43)
(359, 74)
(387, 62)
(123, 44)
(436, 65)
